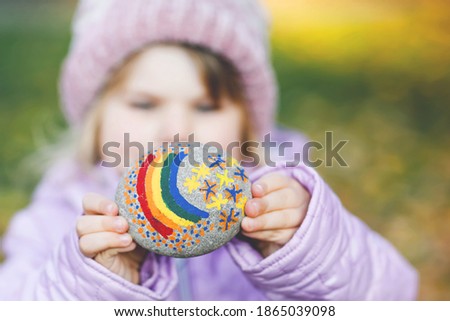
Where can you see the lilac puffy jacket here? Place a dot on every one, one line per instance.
(332, 256)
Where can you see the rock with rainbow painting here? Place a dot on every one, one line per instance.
(183, 201)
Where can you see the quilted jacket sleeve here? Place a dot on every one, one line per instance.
(43, 260)
(332, 256)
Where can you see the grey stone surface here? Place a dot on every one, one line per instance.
(207, 234)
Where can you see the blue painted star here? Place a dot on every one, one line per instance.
(241, 174)
(233, 192)
(218, 162)
(209, 189)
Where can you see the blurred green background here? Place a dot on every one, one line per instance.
(375, 73)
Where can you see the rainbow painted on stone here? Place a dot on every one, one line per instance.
(173, 208)
(163, 205)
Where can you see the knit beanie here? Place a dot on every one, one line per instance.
(106, 32)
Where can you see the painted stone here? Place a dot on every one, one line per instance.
(182, 201)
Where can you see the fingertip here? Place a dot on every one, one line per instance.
(251, 208)
(128, 248)
(244, 225)
(247, 224)
(132, 245)
(258, 189)
(125, 239)
(121, 224)
(112, 208)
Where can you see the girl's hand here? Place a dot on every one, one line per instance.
(103, 236)
(276, 211)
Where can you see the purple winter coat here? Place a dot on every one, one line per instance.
(332, 256)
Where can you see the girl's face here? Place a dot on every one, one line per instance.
(164, 95)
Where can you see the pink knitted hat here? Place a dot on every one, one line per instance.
(105, 32)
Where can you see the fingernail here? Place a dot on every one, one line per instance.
(254, 205)
(111, 208)
(250, 225)
(119, 224)
(125, 238)
(259, 189)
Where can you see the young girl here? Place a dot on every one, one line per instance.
(154, 69)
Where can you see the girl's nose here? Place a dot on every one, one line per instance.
(176, 122)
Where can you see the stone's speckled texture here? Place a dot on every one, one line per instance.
(182, 203)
